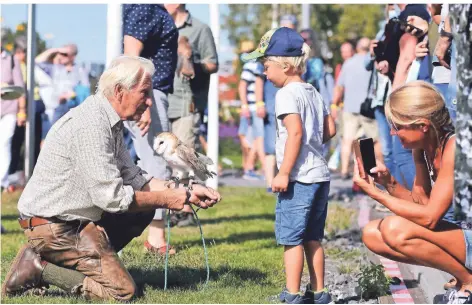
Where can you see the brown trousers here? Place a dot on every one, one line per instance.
(90, 248)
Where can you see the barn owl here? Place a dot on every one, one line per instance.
(184, 161)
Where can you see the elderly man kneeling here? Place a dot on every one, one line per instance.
(87, 200)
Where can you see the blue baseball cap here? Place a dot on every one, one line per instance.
(282, 41)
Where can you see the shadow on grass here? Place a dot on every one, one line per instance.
(231, 239)
(237, 218)
(189, 278)
(10, 217)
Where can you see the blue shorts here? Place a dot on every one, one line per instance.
(256, 122)
(468, 248)
(300, 213)
(451, 102)
(270, 130)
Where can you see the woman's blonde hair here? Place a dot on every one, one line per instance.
(415, 101)
(126, 71)
(297, 62)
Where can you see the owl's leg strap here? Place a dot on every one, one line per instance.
(176, 180)
(191, 180)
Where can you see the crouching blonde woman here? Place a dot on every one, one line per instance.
(423, 230)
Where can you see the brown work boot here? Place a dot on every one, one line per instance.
(25, 273)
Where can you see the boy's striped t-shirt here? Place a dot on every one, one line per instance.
(252, 70)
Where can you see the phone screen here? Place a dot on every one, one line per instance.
(368, 155)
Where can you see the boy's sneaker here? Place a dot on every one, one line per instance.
(252, 175)
(322, 297)
(288, 298)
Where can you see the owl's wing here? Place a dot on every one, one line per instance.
(197, 161)
(204, 159)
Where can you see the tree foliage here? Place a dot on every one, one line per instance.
(333, 23)
(21, 30)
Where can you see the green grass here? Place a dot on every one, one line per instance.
(245, 262)
(246, 265)
(232, 151)
(341, 219)
(337, 253)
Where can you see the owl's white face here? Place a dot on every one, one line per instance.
(161, 145)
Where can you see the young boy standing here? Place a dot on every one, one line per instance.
(304, 123)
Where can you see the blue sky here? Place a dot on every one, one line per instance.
(85, 25)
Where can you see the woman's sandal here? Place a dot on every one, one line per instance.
(450, 284)
(160, 251)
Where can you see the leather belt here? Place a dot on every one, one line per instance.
(32, 222)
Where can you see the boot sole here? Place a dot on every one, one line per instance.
(12, 269)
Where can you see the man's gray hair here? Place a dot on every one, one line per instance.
(126, 71)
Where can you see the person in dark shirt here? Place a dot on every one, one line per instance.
(150, 32)
(399, 56)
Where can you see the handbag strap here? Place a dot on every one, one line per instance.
(370, 83)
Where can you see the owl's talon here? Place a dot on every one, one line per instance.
(175, 180)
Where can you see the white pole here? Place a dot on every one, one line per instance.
(275, 15)
(305, 15)
(30, 124)
(114, 31)
(213, 103)
(114, 38)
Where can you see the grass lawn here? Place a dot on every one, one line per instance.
(245, 263)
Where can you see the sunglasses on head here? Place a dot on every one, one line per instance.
(398, 127)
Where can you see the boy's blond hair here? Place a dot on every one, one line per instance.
(297, 62)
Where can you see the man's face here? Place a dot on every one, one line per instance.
(68, 57)
(307, 38)
(136, 100)
(347, 51)
(20, 54)
(287, 24)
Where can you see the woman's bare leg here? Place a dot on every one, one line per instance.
(373, 240)
(429, 248)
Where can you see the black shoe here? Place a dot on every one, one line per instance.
(187, 221)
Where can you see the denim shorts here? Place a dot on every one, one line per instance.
(270, 130)
(255, 122)
(300, 213)
(468, 248)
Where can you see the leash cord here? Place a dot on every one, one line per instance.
(168, 245)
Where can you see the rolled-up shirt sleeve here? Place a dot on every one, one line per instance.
(131, 173)
(97, 166)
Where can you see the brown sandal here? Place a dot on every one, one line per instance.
(160, 251)
(450, 284)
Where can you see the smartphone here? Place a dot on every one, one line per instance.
(364, 150)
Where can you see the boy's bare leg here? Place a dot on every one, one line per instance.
(293, 260)
(251, 157)
(269, 169)
(316, 264)
(259, 144)
(244, 151)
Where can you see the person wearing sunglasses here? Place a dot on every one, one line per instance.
(424, 230)
(61, 77)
